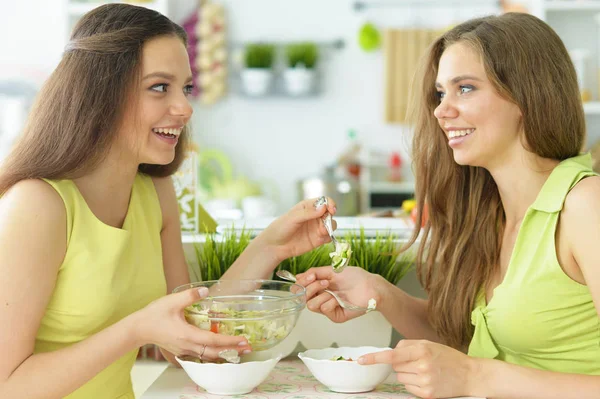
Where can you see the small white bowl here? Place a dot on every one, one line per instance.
(345, 376)
(229, 378)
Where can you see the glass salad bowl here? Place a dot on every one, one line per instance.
(263, 311)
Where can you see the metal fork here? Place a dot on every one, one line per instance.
(326, 218)
(284, 274)
(329, 227)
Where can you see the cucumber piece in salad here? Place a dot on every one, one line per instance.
(341, 256)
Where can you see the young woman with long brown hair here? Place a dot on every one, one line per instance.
(90, 240)
(509, 255)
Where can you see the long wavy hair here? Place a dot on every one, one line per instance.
(460, 244)
(76, 116)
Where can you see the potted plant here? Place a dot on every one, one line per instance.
(215, 255)
(377, 255)
(257, 74)
(300, 74)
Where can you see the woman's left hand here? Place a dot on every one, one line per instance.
(427, 369)
(299, 230)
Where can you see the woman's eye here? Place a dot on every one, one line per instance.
(440, 95)
(160, 88)
(188, 89)
(466, 89)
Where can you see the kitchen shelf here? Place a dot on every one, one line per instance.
(591, 107)
(571, 5)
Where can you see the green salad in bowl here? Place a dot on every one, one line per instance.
(262, 311)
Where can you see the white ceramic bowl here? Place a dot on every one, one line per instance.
(229, 378)
(342, 375)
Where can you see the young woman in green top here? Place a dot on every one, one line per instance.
(509, 257)
(90, 239)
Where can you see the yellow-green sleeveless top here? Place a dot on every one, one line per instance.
(107, 274)
(538, 316)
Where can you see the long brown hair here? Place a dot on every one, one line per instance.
(77, 113)
(460, 249)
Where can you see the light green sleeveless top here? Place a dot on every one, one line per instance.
(107, 274)
(538, 316)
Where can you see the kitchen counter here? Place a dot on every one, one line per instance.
(401, 227)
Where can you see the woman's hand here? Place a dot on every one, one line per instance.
(427, 369)
(163, 323)
(354, 285)
(299, 230)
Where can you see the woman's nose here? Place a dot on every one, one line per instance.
(445, 110)
(182, 107)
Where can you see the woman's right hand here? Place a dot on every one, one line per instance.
(163, 323)
(354, 285)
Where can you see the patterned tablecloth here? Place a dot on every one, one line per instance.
(290, 379)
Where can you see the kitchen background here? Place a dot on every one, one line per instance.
(264, 146)
(258, 154)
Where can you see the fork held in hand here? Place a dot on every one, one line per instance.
(285, 275)
(326, 218)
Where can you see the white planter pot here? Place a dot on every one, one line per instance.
(256, 82)
(299, 81)
(315, 331)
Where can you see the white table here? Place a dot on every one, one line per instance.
(290, 379)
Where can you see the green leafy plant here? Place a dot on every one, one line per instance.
(217, 253)
(306, 54)
(259, 55)
(378, 255)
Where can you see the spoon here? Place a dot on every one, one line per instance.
(329, 227)
(285, 275)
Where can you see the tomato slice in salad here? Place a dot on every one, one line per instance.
(214, 327)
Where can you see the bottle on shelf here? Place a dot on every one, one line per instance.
(350, 157)
(395, 167)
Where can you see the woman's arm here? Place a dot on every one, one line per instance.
(174, 263)
(294, 233)
(496, 379)
(406, 313)
(32, 248)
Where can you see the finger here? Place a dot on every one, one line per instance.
(315, 303)
(315, 273)
(404, 343)
(306, 210)
(333, 311)
(406, 367)
(189, 297)
(304, 279)
(315, 288)
(409, 378)
(420, 392)
(212, 352)
(329, 308)
(203, 337)
(386, 357)
(331, 206)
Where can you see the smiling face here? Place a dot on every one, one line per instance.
(152, 127)
(482, 127)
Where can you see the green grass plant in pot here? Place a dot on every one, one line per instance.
(378, 255)
(257, 75)
(300, 74)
